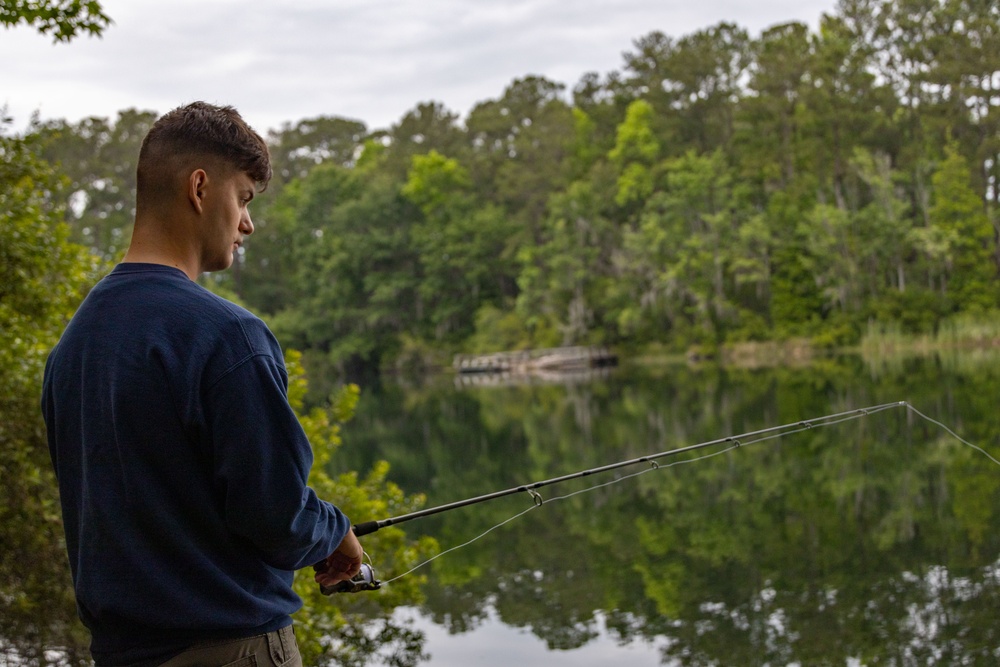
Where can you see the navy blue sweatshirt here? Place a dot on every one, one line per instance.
(182, 469)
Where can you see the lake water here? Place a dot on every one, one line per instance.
(873, 541)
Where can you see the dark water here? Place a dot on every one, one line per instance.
(872, 542)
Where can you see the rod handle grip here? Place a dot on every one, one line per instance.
(366, 528)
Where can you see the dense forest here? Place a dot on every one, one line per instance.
(718, 188)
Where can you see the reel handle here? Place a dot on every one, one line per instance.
(364, 580)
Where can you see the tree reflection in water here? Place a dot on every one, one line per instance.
(870, 542)
(873, 542)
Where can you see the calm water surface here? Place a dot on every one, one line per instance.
(873, 542)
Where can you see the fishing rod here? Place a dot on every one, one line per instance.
(365, 579)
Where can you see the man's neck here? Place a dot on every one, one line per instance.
(149, 247)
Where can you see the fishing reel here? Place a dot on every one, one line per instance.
(364, 580)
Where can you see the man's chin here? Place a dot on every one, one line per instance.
(220, 265)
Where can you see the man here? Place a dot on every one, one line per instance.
(182, 469)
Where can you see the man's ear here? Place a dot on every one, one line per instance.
(197, 182)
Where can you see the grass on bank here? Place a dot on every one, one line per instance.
(961, 332)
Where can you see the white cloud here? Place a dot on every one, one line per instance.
(365, 59)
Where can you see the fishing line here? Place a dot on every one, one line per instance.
(955, 435)
(465, 544)
(733, 442)
(536, 505)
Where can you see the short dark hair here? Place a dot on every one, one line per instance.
(200, 129)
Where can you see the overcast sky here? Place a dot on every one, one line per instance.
(370, 60)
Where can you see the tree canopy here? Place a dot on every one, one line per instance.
(717, 188)
(63, 19)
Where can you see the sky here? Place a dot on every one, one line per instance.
(367, 60)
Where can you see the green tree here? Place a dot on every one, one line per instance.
(604, 103)
(42, 278)
(968, 64)
(846, 105)
(334, 265)
(430, 126)
(707, 68)
(957, 215)
(460, 244)
(835, 248)
(910, 38)
(296, 149)
(63, 19)
(796, 306)
(522, 147)
(679, 256)
(550, 216)
(647, 74)
(636, 151)
(886, 217)
(771, 118)
(564, 279)
(99, 156)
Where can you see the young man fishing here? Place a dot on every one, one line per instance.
(182, 469)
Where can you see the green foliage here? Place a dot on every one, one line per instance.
(434, 181)
(957, 214)
(915, 311)
(296, 149)
(334, 265)
(635, 151)
(42, 279)
(42, 273)
(564, 278)
(99, 157)
(717, 188)
(362, 498)
(497, 329)
(706, 69)
(522, 150)
(677, 256)
(460, 244)
(63, 19)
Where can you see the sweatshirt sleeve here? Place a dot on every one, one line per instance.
(261, 462)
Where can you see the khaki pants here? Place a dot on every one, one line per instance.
(275, 649)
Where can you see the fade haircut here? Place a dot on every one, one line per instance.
(195, 132)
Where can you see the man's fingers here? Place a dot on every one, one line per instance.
(338, 567)
(331, 578)
(341, 563)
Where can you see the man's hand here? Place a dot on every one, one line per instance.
(342, 564)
